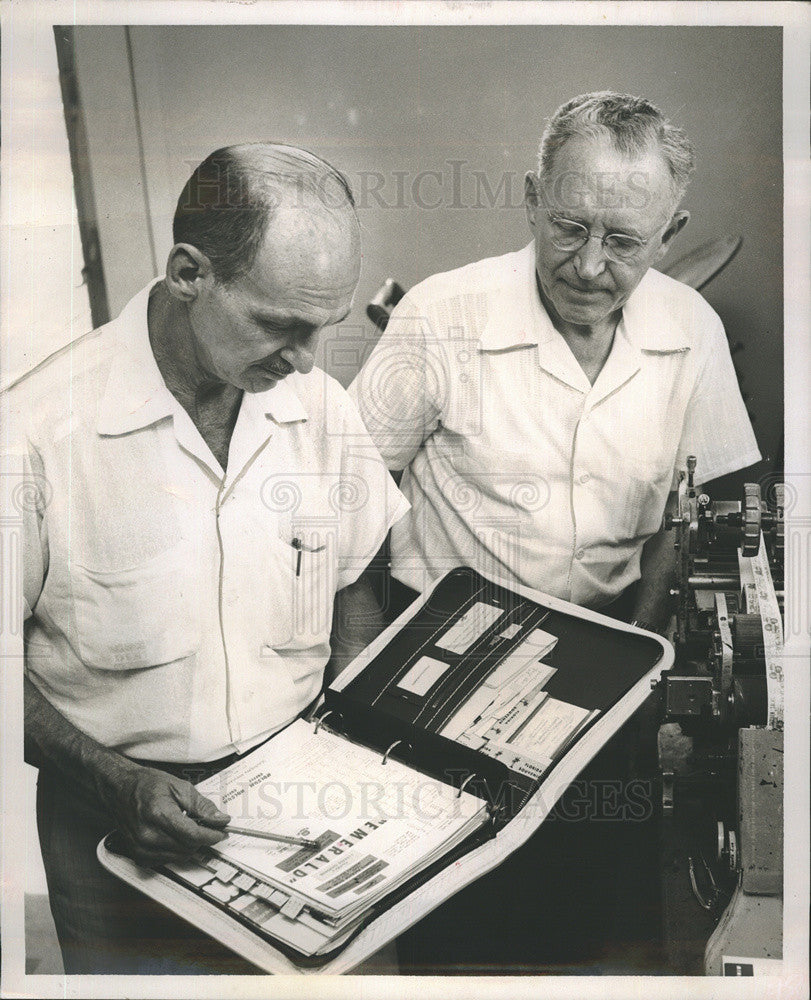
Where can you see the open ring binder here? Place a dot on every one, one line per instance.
(493, 768)
(386, 754)
(470, 777)
(322, 718)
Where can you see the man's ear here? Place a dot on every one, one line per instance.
(531, 182)
(187, 271)
(676, 224)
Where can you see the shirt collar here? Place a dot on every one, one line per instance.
(518, 318)
(136, 395)
(655, 319)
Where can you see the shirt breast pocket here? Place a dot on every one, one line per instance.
(646, 482)
(138, 617)
(303, 591)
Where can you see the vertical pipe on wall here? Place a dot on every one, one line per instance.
(93, 270)
(141, 157)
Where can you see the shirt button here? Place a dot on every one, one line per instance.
(584, 478)
(580, 553)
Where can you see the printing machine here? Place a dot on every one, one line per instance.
(720, 742)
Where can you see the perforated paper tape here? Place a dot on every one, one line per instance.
(772, 627)
(749, 602)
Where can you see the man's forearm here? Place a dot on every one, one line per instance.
(357, 620)
(155, 811)
(658, 576)
(654, 603)
(51, 739)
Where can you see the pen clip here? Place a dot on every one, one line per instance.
(299, 546)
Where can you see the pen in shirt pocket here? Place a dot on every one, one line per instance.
(299, 546)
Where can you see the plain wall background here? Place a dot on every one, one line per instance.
(377, 101)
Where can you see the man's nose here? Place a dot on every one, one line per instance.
(301, 353)
(589, 261)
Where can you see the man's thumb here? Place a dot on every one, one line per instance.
(205, 809)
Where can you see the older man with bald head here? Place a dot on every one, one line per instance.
(196, 556)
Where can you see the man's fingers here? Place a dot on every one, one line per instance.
(185, 828)
(187, 832)
(166, 817)
(198, 806)
(207, 811)
(153, 858)
(177, 835)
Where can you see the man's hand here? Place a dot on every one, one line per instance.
(164, 818)
(153, 809)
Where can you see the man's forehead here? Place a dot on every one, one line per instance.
(307, 249)
(297, 215)
(592, 174)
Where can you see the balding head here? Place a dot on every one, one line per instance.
(231, 198)
(266, 254)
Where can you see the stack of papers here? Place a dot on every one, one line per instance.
(510, 716)
(375, 825)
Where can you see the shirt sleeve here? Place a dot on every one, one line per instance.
(398, 392)
(716, 429)
(25, 501)
(368, 499)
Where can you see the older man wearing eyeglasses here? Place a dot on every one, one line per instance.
(541, 403)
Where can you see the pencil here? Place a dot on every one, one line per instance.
(252, 832)
(267, 835)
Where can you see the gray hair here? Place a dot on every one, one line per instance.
(227, 203)
(633, 125)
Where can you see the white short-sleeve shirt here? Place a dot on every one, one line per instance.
(178, 613)
(514, 463)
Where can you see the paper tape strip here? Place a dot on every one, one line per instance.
(772, 627)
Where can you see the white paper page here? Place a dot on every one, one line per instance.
(525, 653)
(374, 822)
(503, 727)
(476, 704)
(529, 678)
(423, 675)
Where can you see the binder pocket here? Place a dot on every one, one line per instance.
(140, 617)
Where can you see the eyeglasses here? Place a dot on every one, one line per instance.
(570, 236)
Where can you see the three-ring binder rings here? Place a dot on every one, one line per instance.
(437, 753)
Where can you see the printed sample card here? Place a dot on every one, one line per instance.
(470, 627)
(423, 675)
(549, 728)
(536, 645)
